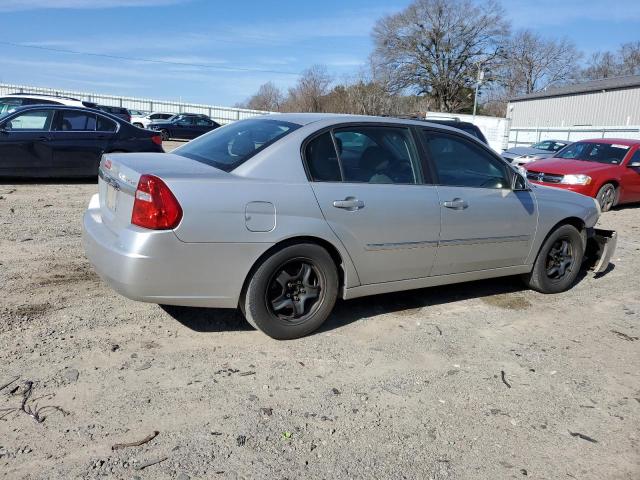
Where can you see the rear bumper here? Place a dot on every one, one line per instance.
(157, 267)
(600, 247)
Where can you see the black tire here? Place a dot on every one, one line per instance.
(165, 135)
(607, 196)
(287, 300)
(139, 125)
(559, 260)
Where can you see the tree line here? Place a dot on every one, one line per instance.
(431, 55)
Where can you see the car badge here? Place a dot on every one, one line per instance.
(540, 177)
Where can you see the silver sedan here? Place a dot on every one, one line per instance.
(280, 215)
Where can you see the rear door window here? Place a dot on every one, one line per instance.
(105, 125)
(74, 121)
(377, 154)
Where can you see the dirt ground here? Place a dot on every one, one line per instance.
(482, 380)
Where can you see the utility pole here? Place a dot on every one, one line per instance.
(478, 82)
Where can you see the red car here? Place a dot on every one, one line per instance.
(605, 168)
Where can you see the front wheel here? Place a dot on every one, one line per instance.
(292, 292)
(607, 196)
(558, 263)
(165, 135)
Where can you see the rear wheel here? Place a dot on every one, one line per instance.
(139, 125)
(607, 196)
(292, 292)
(558, 263)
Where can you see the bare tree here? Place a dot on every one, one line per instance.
(308, 93)
(435, 47)
(625, 61)
(268, 97)
(601, 65)
(532, 63)
(630, 58)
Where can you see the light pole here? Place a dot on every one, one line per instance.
(478, 82)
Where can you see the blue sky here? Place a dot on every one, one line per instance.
(243, 43)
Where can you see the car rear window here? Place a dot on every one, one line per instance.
(228, 147)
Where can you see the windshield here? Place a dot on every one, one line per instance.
(548, 145)
(8, 105)
(228, 147)
(595, 152)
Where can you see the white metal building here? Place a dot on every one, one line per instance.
(606, 102)
(597, 109)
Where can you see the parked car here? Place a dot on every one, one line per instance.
(453, 122)
(143, 121)
(62, 141)
(184, 126)
(282, 214)
(14, 100)
(119, 112)
(607, 169)
(467, 127)
(519, 156)
(137, 113)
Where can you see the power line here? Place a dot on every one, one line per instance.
(147, 60)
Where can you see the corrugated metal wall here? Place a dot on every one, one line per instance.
(615, 107)
(520, 137)
(219, 114)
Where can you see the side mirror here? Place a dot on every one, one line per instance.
(6, 128)
(634, 165)
(519, 183)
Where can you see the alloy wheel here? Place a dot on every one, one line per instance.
(295, 290)
(559, 259)
(607, 197)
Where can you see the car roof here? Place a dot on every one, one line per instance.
(308, 118)
(48, 106)
(621, 141)
(39, 96)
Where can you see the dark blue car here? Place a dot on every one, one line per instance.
(184, 126)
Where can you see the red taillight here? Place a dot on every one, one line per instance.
(154, 206)
(157, 139)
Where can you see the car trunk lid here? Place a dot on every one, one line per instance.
(119, 175)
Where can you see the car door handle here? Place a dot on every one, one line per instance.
(349, 203)
(456, 204)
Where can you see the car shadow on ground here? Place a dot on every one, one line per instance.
(625, 206)
(498, 292)
(48, 181)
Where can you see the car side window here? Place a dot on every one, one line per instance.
(322, 160)
(105, 125)
(377, 154)
(71, 120)
(39, 120)
(203, 122)
(460, 163)
(185, 122)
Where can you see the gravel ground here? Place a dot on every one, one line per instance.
(481, 380)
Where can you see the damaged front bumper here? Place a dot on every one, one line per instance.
(600, 247)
